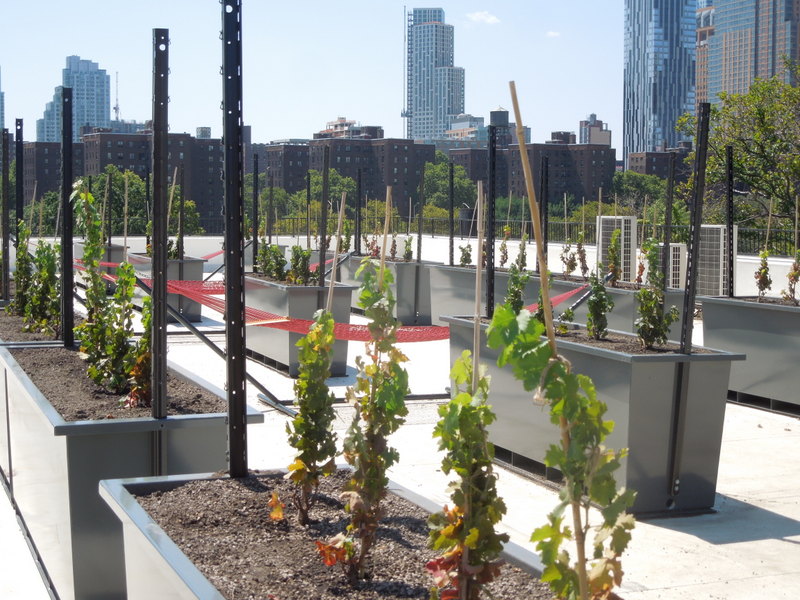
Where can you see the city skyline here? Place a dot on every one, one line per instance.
(356, 58)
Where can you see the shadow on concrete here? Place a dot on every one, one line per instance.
(733, 522)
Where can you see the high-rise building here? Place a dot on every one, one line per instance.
(659, 72)
(2, 114)
(435, 88)
(91, 97)
(594, 131)
(705, 31)
(750, 40)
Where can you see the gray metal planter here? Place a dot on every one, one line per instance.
(638, 390)
(277, 347)
(770, 336)
(453, 290)
(157, 568)
(54, 468)
(188, 269)
(112, 253)
(411, 288)
(626, 310)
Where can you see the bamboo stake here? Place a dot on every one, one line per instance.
(386, 220)
(644, 221)
(329, 304)
(600, 201)
(105, 203)
(476, 327)
(125, 222)
(524, 228)
(171, 194)
(41, 216)
(33, 207)
(796, 211)
(537, 223)
(583, 214)
(615, 206)
(566, 236)
(550, 328)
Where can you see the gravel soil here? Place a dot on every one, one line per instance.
(223, 526)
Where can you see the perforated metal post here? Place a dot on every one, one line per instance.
(256, 216)
(729, 218)
(181, 221)
(5, 220)
(323, 219)
(452, 219)
(419, 216)
(357, 234)
(270, 209)
(67, 274)
(20, 174)
(544, 205)
(234, 234)
(678, 420)
(490, 221)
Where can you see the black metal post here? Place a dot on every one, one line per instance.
(729, 214)
(357, 240)
(181, 222)
(490, 225)
(234, 237)
(678, 419)
(308, 210)
(420, 207)
(67, 273)
(665, 256)
(5, 219)
(451, 223)
(270, 210)
(159, 240)
(323, 219)
(255, 211)
(544, 206)
(20, 175)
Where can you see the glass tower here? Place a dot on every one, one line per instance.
(435, 88)
(91, 95)
(751, 39)
(659, 72)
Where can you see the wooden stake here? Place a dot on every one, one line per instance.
(644, 222)
(769, 223)
(171, 194)
(796, 211)
(537, 224)
(125, 222)
(476, 327)
(41, 216)
(33, 207)
(329, 304)
(600, 202)
(386, 220)
(566, 235)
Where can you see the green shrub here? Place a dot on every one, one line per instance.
(599, 305)
(300, 267)
(614, 258)
(762, 277)
(23, 274)
(271, 261)
(408, 251)
(466, 255)
(43, 312)
(517, 280)
(652, 324)
(792, 277)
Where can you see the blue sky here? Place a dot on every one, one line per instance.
(307, 62)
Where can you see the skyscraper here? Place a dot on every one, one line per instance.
(91, 93)
(750, 39)
(2, 105)
(659, 72)
(435, 88)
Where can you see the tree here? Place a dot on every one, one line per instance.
(763, 127)
(337, 184)
(631, 188)
(436, 186)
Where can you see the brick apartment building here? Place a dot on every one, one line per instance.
(42, 167)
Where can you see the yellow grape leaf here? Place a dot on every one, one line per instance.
(471, 541)
(276, 506)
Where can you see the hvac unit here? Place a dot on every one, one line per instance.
(712, 270)
(627, 240)
(676, 267)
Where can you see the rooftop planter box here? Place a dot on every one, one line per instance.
(453, 290)
(411, 288)
(113, 253)
(638, 390)
(278, 348)
(770, 336)
(157, 568)
(54, 467)
(188, 269)
(626, 310)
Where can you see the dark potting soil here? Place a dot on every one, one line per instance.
(11, 330)
(223, 527)
(766, 300)
(60, 374)
(622, 343)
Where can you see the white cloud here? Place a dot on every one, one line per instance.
(483, 16)
(553, 34)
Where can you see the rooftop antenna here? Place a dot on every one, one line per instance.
(116, 96)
